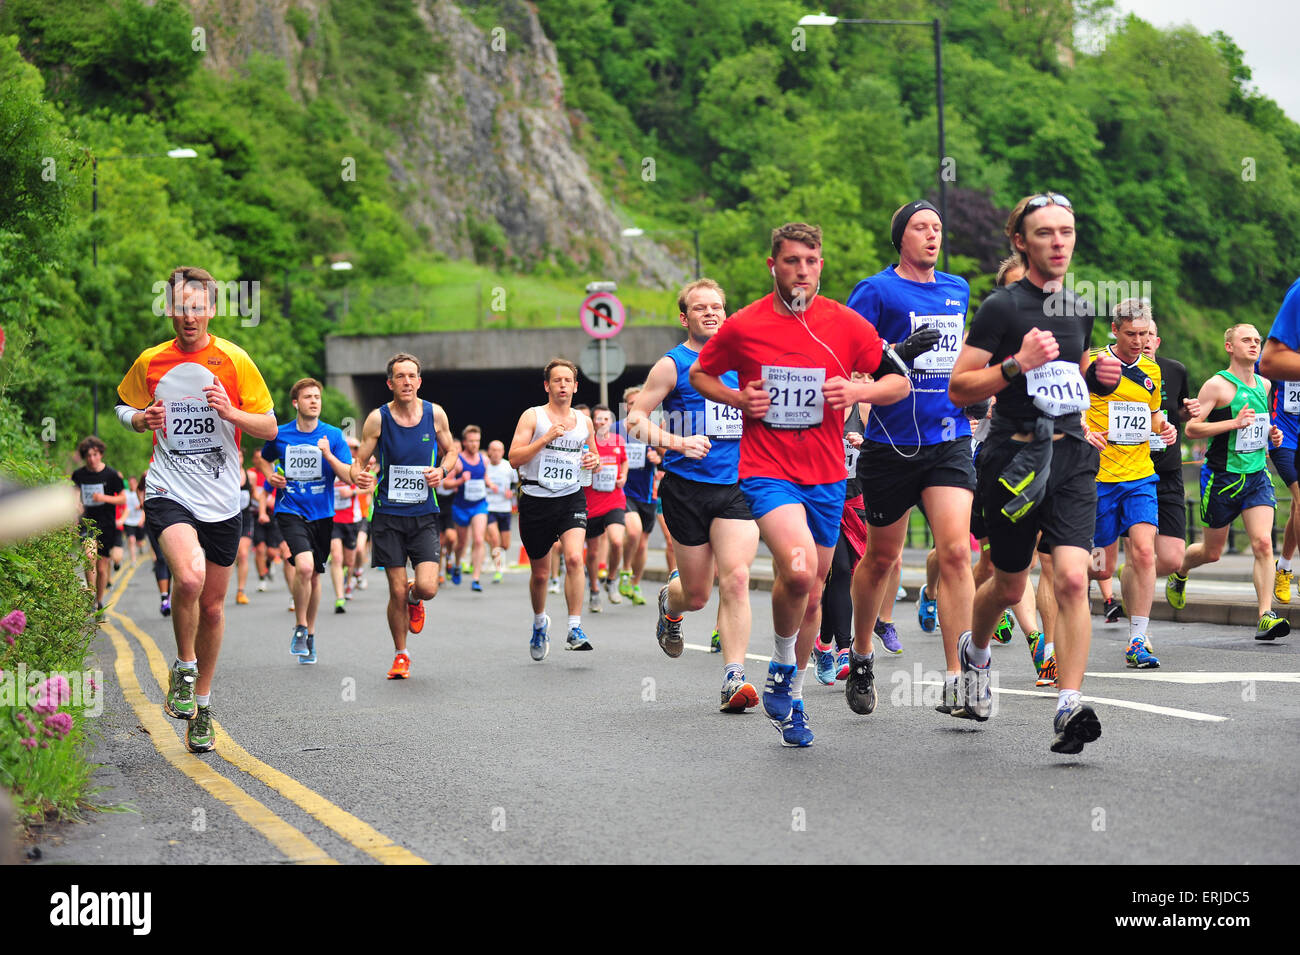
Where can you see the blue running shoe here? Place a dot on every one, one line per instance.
(776, 692)
(540, 644)
(577, 640)
(298, 645)
(1139, 657)
(794, 728)
(842, 663)
(454, 573)
(825, 663)
(310, 656)
(901, 594)
(927, 611)
(476, 587)
(888, 636)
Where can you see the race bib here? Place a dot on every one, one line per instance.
(1156, 443)
(192, 427)
(1057, 388)
(302, 462)
(796, 396)
(88, 492)
(1291, 397)
(1254, 436)
(942, 356)
(340, 502)
(635, 455)
(1129, 422)
(558, 470)
(406, 484)
(722, 421)
(475, 489)
(851, 459)
(605, 478)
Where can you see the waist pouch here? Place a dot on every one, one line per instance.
(1026, 474)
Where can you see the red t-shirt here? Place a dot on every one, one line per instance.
(347, 510)
(613, 452)
(788, 444)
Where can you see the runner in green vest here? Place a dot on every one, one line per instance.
(1234, 416)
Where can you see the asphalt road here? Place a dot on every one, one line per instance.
(620, 755)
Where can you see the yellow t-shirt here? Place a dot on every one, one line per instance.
(1126, 415)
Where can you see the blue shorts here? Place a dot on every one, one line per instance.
(462, 512)
(1284, 463)
(823, 503)
(1122, 504)
(1224, 495)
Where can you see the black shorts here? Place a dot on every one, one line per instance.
(644, 510)
(305, 536)
(1066, 517)
(104, 534)
(268, 533)
(892, 483)
(1284, 463)
(542, 520)
(347, 533)
(500, 518)
(1171, 502)
(137, 531)
(396, 538)
(248, 523)
(977, 526)
(596, 525)
(691, 507)
(218, 539)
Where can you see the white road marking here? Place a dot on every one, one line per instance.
(1200, 678)
(1125, 704)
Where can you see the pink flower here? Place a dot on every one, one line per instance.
(15, 623)
(52, 694)
(30, 742)
(59, 724)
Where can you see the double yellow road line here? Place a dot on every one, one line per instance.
(291, 842)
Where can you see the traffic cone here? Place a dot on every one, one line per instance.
(523, 557)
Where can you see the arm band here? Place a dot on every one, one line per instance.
(1096, 387)
(125, 413)
(890, 364)
(979, 411)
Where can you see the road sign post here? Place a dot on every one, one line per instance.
(602, 316)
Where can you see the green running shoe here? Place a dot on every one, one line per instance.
(1271, 626)
(180, 704)
(634, 592)
(1176, 591)
(625, 584)
(198, 735)
(715, 642)
(1003, 633)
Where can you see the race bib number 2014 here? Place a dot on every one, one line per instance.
(1057, 388)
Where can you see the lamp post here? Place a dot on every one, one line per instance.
(183, 152)
(823, 20)
(632, 232)
(340, 266)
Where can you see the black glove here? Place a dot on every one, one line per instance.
(978, 411)
(918, 343)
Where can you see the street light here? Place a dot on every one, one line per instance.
(823, 20)
(342, 265)
(632, 232)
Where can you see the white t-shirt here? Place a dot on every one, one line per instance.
(503, 476)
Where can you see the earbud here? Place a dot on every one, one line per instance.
(772, 269)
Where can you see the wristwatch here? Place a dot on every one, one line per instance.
(1010, 368)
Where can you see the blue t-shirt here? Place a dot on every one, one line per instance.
(1286, 394)
(1286, 327)
(687, 412)
(897, 307)
(640, 481)
(309, 480)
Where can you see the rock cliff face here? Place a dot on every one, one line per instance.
(492, 150)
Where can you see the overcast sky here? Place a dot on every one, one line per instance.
(1267, 30)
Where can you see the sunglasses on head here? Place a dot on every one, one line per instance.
(1038, 202)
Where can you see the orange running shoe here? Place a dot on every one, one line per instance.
(401, 667)
(1047, 675)
(241, 598)
(414, 612)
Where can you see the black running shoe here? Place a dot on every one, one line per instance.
(860, 688)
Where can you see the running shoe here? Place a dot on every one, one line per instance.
(794, 728)
(310, 656)
(1110, 610)
(540, 644)
(593, 601)
(888, 636)
(1271, 626)
(414, 611)
(577, 640)
(341, 605)
(554, 586)
(165, 605)
(737, 695)
(625, 584)
(298, 644)
(638, 599)
(824, 661)
(1004, 631)
(668, 631)
(842, 664)
(715, 642)
(241, 598)
(860, 688)
(454, 570)
(349, 585)
(601, 571)
(1176, 591)
(263, 584)
(612, 591)
(1139, 657)
(927, 611)
(361, 582)
(901, 594)
(1042, 654)
(496, 577)
(1047, 673)
(198, 734)
(179, 703)
(401, 667)
(978, 694)
(776, 692)
(476, 587)
(951, 701)
(1281, 584)
(1075, 726)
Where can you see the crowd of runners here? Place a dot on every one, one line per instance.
(813, 426)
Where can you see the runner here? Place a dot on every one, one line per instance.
(344, 535)
(135, 535)
(917, 451)
(1029, 345)
(469, 506)
(363, 532)
(406, 434)
(161, 575)
(1129, 416)
(551, 445)
(1233, 414)
(250, 492)
(196, 394)
(705, 511)
(606, 507)
(500, 500)
(101, 491)
(1284, 408)
(794, 353)
(642, 462)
